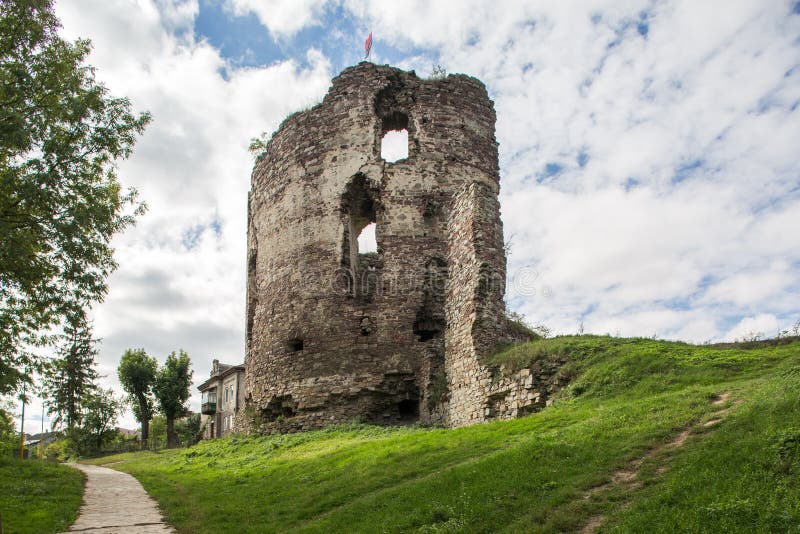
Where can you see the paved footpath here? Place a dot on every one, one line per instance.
(116, 502)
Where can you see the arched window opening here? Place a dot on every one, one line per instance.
(360, 247)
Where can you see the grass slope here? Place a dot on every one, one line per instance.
(627, 400)
(38, 497)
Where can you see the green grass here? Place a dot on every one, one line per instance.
(38, 497)
(627, 399)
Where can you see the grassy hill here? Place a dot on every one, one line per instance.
(649, 436)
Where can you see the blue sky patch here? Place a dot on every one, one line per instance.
(552, 168)
(240, 39)
(245, 42)
(191, 236)
(685, 170)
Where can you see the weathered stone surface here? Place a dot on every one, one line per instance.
(401, 334)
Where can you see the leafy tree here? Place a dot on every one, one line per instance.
(101, 409)
(71, 377)
(8, 437)
(137, 374)
(158, 431)
(189, 429)
(60, 201)
(172, 390)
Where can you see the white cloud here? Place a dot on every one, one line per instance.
(759, 326)
(283, 18)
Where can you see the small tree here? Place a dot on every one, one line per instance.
(438, 72)
(158, 431)
(9, 440)
(71, 376)
(172, 390)
(100, 412)
(189, 429)
(137, 374)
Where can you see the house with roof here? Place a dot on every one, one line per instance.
(222, 398)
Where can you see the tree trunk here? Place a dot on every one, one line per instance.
(145, 414)
(172, 438)
(145, 432)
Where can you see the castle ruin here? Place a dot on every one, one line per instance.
(334, 334)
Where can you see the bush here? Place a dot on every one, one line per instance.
(63, 450)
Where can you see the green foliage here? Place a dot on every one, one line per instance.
(60, 200)
(519, 327)
(171, 390)
(158, 428)
(788, 452)
(63, 450)
(99, 412)
(438, 73)
(70, 377)
(189, 430)
(137, 373)
(258, 144)
(37, 496)
(101, 408)
(529, 474)
(9, 440)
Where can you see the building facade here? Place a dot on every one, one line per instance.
(222, 399)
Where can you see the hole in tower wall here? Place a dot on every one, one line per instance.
(394, 146)
(366, 240)
(295, 344)
(430, 320)
(408, 408)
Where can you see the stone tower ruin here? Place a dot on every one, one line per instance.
(335, 334)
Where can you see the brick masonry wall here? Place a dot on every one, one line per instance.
(392, 337)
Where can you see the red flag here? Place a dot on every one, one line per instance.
(368, 45)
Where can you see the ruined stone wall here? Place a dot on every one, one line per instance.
(396, 336)
(475, 314)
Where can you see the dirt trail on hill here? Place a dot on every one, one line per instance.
(115, 502)
(627, 477)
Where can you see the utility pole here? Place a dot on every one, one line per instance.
(22, 425)
(41, 438)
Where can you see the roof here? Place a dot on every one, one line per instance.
(224, 371)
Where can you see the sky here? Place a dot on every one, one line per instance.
(650, 178)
